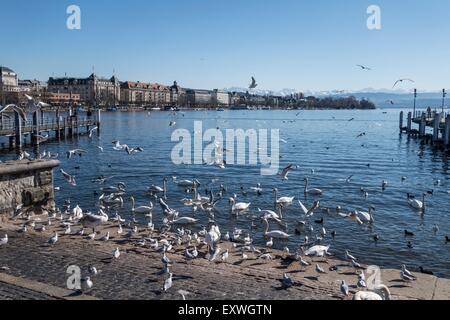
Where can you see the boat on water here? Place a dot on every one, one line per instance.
(155, 109)
(220, 109)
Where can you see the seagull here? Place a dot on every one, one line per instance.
(116, 253)
(348, 256)
(401, 80)
(406, 272)
(91, 132)
(319, 269)
(225, 256)
(363, 67)
(4, 240)
(75, 152)
(70, 179)
(284, 174)
(88, 282)
(93, 270)
(405, 277)
(168, 283)
(131, 151)
(53, 239)
(105, 238)
(344, 288)
(253, 85)
(100, 148)
(287, 281)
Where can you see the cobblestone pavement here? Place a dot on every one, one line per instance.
(136, 274)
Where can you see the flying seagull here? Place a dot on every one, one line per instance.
(401, 80)
(70, 179)
(77, 152)
(363, 67)
(284, 174)
(253, 85)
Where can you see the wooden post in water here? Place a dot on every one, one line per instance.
(401, 121)
(436, 127)
(35, 133)
(447, 131)
(58, 125)
(422, 125)
(99, 119)
(18, 130)
(409, 122)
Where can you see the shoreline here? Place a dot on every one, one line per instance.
(135, 274)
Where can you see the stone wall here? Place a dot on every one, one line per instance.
(26, 182)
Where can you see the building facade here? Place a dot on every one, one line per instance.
(144, 94)
(199, 98)
(9, 86)
(220, 98)
(177, 95)
(93, 91)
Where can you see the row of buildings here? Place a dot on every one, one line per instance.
(109, 92)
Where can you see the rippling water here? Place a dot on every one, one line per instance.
(323, 141)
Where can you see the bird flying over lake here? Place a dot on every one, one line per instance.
(363, 67)
(131, 151)
(284, 174)
(253, 85)
(75, 152)
(91, 132)
(70, 179)
(401, 80)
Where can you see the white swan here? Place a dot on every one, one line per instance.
(276, 234)
(184, 221)
(141, 209)
(283, 201)
(238, 207)
(93, 221)
(317, 251)
(212, 237)
(416, 204)
(316, 192)
(381, 292)
(366, 217)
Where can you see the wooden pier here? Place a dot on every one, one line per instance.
(17, 129)
(439, 122)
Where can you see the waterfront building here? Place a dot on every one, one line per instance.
(61, 99)
(31, 86)
(144, 94)
(177, 95)
(199, 98)
(9, 86)
(94, 91)
(220, 98)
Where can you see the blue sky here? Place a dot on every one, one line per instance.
(299, 44)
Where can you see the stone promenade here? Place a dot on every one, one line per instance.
(32, 269)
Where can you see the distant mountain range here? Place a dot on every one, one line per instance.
(381, 98)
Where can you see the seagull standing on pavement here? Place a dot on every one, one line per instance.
(4, 240)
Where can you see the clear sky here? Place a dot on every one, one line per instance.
(299, 44)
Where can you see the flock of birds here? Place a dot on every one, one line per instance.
(177, 231)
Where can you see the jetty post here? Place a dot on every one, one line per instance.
(18, 130)
(415, 99)
(409, 125)
(34, 138)
(401, 121)
(422, 125)
(436, 126)
(99, 119)
(447, 131)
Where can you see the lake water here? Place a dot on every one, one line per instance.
(323, 141)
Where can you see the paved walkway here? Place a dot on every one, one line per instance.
(32, 269)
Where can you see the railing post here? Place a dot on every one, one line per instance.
(409, 121)
(447, 131)
(35, 130)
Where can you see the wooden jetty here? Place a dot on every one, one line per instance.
(439, 122)
(16, 129)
